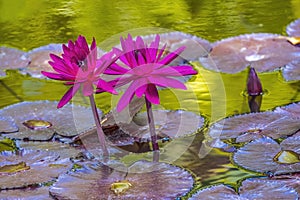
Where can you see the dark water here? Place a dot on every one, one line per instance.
(33, 23)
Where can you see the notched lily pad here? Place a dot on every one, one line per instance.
(293, 29)
(29, 167)
(147, 180)
(267, 156)
(40, 120)
(169, 124)
(250, 189)
(11, 58)
(264, 52)
(247, 127)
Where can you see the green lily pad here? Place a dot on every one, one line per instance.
(7, 144)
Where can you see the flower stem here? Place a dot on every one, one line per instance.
(155, 146)
(100, 132)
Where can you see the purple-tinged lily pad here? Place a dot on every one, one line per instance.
(63, 150)
(26, 194)
(169, 124)
(267, 156)
(291, 109)
(247, 127)
(7, 125)
(291, 72)
(264, 52)
(11, 58)
(293, 29)
(29, 167)
(195, 46)
(250, 189)
(142, 180)
(40, 120)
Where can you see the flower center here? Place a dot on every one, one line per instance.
(82, 64)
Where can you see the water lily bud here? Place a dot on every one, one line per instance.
(254, 87)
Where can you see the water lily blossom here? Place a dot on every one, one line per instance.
(146, 67)
(80, 68)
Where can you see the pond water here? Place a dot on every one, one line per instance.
(30, 24)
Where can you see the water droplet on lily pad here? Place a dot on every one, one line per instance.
(120, 186)
(37, 124)
(287, 157)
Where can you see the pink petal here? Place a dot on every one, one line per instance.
(87, 88)
(68, 95)
(170, 57)
(152, 94)
(176, 71)
(166, 82)
(61, 77)
(115, 69)
(129, 93)
(141, 90)
(103, 86)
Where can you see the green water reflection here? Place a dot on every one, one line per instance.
(27, 24)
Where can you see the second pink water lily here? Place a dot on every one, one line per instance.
(146, 67)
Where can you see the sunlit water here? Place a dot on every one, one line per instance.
(32, 23)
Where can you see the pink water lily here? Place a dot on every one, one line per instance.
(80, 67)
(146, 67)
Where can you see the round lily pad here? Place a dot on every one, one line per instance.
(143, 180)
(267, 156)
(262, 51)
(293, 29)
(29, 167)
(39, 60)
(169, 124)
(291, 72)
(250, 189)
(40, 120)
(7, 125)
(26, 194)
(11, 58)
(247, 127)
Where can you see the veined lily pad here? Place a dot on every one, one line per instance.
(25, 168)
(148, 180)
(11, 58)
(264, 52)
(293, 29)
(250, 189)
(247, 127)
(267, 156)
(7, 125)
(168, 123)
(26, 194)
(291, 71)
(291, 109)
(39, 120)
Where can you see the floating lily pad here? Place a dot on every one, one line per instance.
(291, 72)
(26, 168)
(267, 156)
(63, 150)
(147, 180)
(26, 194)
(264, 52)
(40, 120)
(291, 109)
(7, 125)
(11, 58)
(247, 127)
(169, 124)
(195, 46)
(293, 29)
(250, 189)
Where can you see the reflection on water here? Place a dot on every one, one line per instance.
(30, 24)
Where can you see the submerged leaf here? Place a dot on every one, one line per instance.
(287, 157)
(12, 168)
(7, 144)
